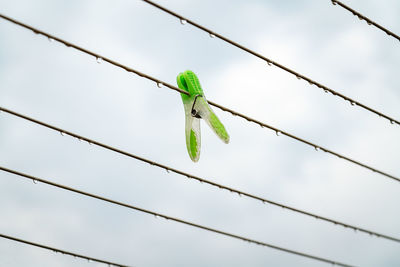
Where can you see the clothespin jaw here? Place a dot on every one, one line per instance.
(197, 107)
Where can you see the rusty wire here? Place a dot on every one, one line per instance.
(202, 180)
(109, 263)
(170, 86)
(156, 214)
(271, 62)
(362, 17)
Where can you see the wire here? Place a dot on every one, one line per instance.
(271, 62)
(202, 180)
(315, 146)
(156, 214)
(362, 17)
(98, 57)
(109, 263)
(161, 83)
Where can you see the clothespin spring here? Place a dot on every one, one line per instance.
(194, 112)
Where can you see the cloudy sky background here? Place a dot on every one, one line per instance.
(69, 89)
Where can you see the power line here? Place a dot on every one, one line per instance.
(362, 17)
(270, 62)
(109, 263)
(156, 214)
(202, 180)
(161, 83)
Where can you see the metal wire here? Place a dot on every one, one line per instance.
(202, 180)
(156, 214)
(362, 17)
(160, 83)
(109, 263)
(271, 62)
(315, 146)
(97, 56)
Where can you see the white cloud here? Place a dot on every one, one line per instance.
(69, 89)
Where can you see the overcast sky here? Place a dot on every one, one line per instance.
(67, 88)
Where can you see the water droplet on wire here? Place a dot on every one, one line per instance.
(333, 2)
(269, 63)
(369, 23)
(277, 133)
(183, 21)
(34, 181)
(167, 170)
(159, 85)
(316, 148)
(62, 133)
(212, 35)
(391, 121)
(50, 39)
(99, 60)
(352, 103)
(298, 77)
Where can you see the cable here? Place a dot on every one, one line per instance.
(362, 17)
(271, 62)
(201, 180)
(109, 263)
(161, 83)
(315, 146)
(156, 214)
(97, 56)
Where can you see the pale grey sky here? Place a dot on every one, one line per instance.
(69, 89)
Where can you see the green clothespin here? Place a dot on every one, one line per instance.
(196, 108)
